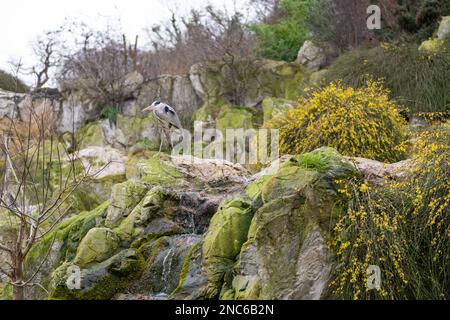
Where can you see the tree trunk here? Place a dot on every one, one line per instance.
(18, 293)
(18, 278)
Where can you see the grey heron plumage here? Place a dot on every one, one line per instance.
(166, 117)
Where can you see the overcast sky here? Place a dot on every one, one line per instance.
(21, 21)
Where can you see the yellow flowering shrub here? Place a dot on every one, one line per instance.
(401, 226)
(357, 122)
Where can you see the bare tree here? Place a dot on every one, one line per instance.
(37, 179)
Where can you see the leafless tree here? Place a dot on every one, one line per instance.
(37, 179)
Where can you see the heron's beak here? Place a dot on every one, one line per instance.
(148, 109)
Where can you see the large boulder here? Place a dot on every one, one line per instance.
(98, 245)
(286, 256)
(270, 241)
(124, 197)
(214, 82)
(311, 55)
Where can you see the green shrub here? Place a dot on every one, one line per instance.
(111, 114)
(416, 79)
(282, 40)
(357, 122)
(401, 226)
(11, 83)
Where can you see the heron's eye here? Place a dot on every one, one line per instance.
(157, 102)
(166, 109)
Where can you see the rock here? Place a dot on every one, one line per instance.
(234, 118)
(58, 246)
(289, 229)
(165, 263)
(213, 82)
(211, 170)
(124, 198)
(226, 234)
(274, 107)
(128, 131)
(100, 281)
(158, 172)
(8, 101)
(377, 172)
(178, 231)
(444, 28)
(98, 245)
(102, 162)
(311, 56)
(75, 112)
(318, 77)
(132, 83)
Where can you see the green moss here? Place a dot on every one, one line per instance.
(185, 269)
(223, 240)
(61, 244)
(96, 246)
(234, 118)
(156, 172)
(119, 271)
(254, 190)
(90, 135)
(274, 106)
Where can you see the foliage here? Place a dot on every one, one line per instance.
(111, 114)
(281, 40)
(11, 83)
(417, 20)
(417, 79)
(402, 226)
(357, 122)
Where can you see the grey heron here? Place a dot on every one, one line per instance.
(165, 116)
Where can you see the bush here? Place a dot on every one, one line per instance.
(403, 227)
(111, 114)
(357, 122)
(11, 83)
(282, 40)
(417, 79)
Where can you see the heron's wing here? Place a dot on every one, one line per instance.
(172, 117)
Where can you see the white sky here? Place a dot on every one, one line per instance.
(21, 21)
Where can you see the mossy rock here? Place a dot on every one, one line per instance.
(124, 197)
(286, 256)
(156, 171)
(90, 135)
(318, 78)
(58, 246)
(101, 281)
(275, 106)
(223, 240)
(234, 118)
(97, 245)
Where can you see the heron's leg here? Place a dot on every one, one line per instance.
(159, 129)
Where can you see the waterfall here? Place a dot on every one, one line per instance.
(167, 265)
